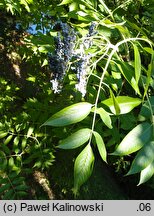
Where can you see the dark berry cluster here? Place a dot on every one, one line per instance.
(83, 62)
(92, 29)
(65, 52)
(80, 68)
(58, 62)
(88, 42)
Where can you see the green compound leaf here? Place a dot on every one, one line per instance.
(100, 145)
(135, 139)
(83, 167)
(147, 173)
(70, 115)
(76, 139)
(143, 158)
(125, 103)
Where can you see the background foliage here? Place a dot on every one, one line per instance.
(98, 123)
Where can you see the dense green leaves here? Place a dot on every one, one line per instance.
(76, 139)
(70, 115)
(135, 139)
(83, 167)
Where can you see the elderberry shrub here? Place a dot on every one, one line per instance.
(65, 51)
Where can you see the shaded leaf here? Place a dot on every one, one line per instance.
(83, 167)
(21, 194)
(70, 115)
(150, 72)
(21, 187)
(76, 139)
(3, 160)
(5, 187)
(9, 194)
(100, 145)
(125, 103)
(147, 109)
(135, 139)
(143, 158)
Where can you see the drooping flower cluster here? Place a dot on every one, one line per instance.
(65, 52)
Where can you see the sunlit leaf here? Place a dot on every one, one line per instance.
(125, 103)
(147, 173)
(143, 158)
(64, 2)
(83, 167)
(137, 60)
(76, 139)
(100, 145)
(3, 134)
(105, 117)
(115, 103)
(127, 71)
(30, 131)
(135, 139)
(11, 162)
(24, 143)
(8, 139)
(70, 115)
(15, 144)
